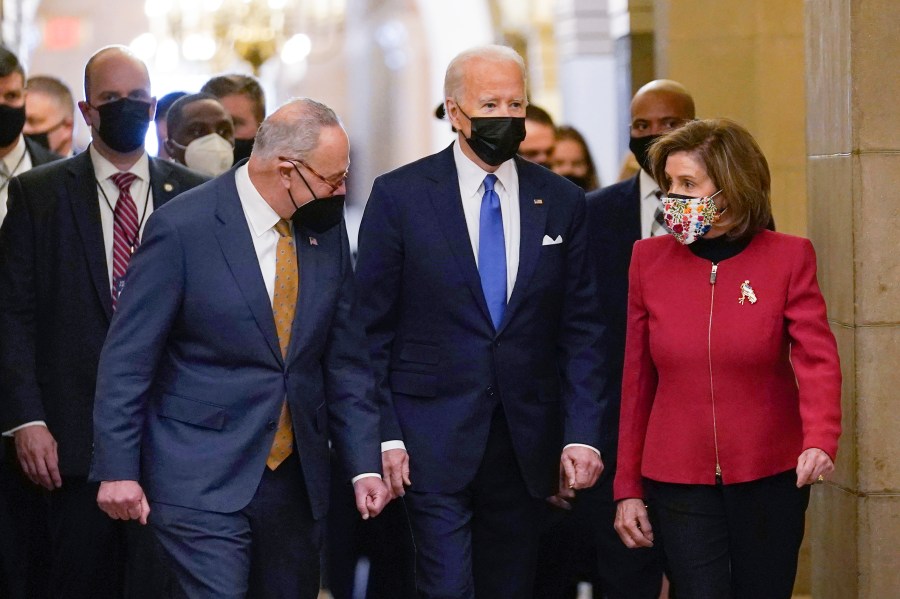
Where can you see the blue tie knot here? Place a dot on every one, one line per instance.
(489, 183)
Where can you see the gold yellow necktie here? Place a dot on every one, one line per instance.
(284, 303)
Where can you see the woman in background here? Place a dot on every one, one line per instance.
(571, 158)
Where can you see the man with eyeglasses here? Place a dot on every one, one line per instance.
(617, 216)
(236, 357)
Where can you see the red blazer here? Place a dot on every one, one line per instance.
(711, 382)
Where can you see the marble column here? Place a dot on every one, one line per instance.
(853, 167)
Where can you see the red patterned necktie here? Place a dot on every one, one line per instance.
(125, 232)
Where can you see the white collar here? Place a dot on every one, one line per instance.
(260, 215)
(104, 169)
(471, 176)
(12, 159)
(648, 186)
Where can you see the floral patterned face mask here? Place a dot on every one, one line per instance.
(688, 219)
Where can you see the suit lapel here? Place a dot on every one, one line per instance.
(632, 221)
(308, 263)
(162, 184)
(234, 239)
(447, 205)
(82, 191)
(533, 221)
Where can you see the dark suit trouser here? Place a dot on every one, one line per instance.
(482, 541)
(583, 545)
(96, 557)
(24, 541)
(735, 541)
(386, 542)
(268, 549)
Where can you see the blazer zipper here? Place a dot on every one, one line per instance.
(712, 392)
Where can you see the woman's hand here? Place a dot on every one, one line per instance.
(812, 464)
(633, 524)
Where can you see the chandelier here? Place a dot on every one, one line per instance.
(214, 32)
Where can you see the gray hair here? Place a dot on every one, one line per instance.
(294, 129)
(453, 80)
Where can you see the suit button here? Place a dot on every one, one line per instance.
(271, 425)
(490, 392)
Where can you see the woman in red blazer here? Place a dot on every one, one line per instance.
(731, 389)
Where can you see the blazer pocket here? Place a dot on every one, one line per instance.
(419, 353)
(192, 412)
(412, 383)
(548, 389)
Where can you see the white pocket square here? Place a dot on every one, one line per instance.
(550, 241)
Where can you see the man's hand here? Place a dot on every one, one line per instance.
(564, 494)
(36, 449)
(581, 465)
(123, 500)
(371, 496)
(633, 523)
(395, 463)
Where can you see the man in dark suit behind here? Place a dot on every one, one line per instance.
(617, 216)
(484, 334)
(61, 257)
(23, 514)
(220, 386)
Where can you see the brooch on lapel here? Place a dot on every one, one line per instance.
(747, 293)
(168, 187)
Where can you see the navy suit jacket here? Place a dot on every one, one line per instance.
(192, 380)
(440, 367)
(55, 299)
(613, 225)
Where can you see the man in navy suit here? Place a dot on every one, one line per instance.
(58, 268)
(487, 349)
(617, 216)
(235, 356)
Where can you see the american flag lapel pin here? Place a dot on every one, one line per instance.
(313, 241)
(538, 202)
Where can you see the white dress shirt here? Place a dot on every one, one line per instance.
(471, 190)
(261, 219)
(140, 193)
(17, 162)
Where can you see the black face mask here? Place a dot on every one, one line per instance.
(495, 139)
(639, 147)
(242, 149)
(43, 139)
(319, 214)
(11, 122)
(579, 180)
(124, 124)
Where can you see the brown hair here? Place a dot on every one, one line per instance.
(571, 133)
(238, 84)
(732, 160)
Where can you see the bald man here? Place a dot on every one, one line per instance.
(617, 216)
(64, 249)
(218, 400)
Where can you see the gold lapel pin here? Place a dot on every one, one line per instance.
(168, 187)
(747, 293)
(538, 202)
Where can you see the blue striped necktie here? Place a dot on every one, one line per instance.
(492, 252)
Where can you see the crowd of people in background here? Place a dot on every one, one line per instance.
(527, 382)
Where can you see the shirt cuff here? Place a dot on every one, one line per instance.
(388, 445)
(591, 447)
(12, 431)
(365, 475)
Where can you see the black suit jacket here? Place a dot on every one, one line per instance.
(55, 301)
(39, 154)
(613, 225)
